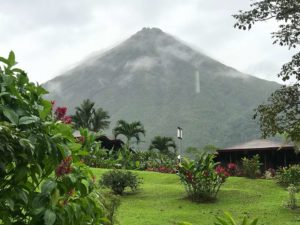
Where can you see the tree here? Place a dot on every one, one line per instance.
(87, 117)
(42, 180)
(280, 115)
(129, 130)
(165, 145)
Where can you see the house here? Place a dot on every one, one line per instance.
(272, 154)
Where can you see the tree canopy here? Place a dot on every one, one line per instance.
(86, 116)
(165, 145)
(280, 115)
(129, 130)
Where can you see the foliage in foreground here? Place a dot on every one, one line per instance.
(200, 178)
(33, 148)
(227, 219)
(118, 180)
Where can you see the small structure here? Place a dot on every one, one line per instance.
(272, 154)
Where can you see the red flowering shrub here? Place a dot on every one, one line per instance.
(221, 171)
(201, 178)
(232, 169)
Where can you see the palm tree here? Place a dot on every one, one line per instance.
(163, 144)
(87, 117)
(129, 130)
(100, 120)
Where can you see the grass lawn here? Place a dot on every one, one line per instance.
(161, 201)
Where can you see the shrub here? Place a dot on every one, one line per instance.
(227, 219)
(111, 204)
(251, 167)
(118, 180)
(288, 175)
(232, 169)
(270, 174)
(200, 178)
(42, 180)
(292, 202)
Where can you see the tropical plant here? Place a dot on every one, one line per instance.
(251, 166)
(129, 130)
(292, 201)
(111, 203)
(200, 178)
(232, 169)
(286, 176)
(227, 219)
(165, 145)
(86, 116)
(42, 180)
(118, 180)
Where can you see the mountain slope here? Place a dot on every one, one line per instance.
(154, 78)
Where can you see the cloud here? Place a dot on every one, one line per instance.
(142, 63)
(50, 36)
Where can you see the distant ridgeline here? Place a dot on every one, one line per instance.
(154, 78)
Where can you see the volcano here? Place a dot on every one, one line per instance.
(154, 78)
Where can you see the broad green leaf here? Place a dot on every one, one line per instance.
(4, 60)
(254, 222)
(11, 115)
(11, 59)
(28, 120)
(49, 217)
(8, 80)
(4, 93)
(11, 203)
(49, 186)
(47, 107)
(229, 217)
(23, 196)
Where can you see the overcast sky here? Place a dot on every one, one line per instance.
(51, 36)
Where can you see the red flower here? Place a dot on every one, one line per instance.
(60, 112)
(64, 167)
(222, 171)
(231, 166)
(67, 119)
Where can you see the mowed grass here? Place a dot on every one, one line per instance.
(162, 201)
